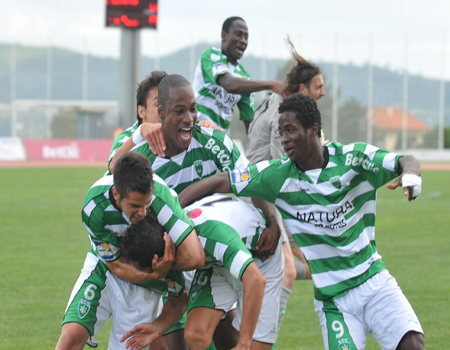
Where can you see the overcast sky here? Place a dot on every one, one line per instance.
(321, 30)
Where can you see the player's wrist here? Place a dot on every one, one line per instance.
(137, 137)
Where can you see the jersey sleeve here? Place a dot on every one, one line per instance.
(246, 107)
(376, 165)
(175, 283)
(166, 209)
(120, 140)
(104, 243)
(213, 65)
(257, 181)
(224, 244)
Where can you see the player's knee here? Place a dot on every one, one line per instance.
(412, 341)
(197, 336)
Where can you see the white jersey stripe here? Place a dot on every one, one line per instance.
(239, 259)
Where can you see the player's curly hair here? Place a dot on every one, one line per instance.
(142, 241)
(144, 87)
(302, 71)
(305, 109)
(133, 172)
(229, 22)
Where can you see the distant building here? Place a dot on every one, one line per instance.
(388, 125)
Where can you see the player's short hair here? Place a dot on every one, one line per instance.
(144, 87)
(305, 109)
(229, 22)
(142, 241)
(302, 71)
(133, 172)
(169, 82)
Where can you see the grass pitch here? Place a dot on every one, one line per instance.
(44, 245)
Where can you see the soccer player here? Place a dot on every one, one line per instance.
(221, 82)
(264, 143)
(194, 152)
(104, 288)
(228, 229)
(327, 196)
(135, 241)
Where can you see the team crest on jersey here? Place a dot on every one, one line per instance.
(336, 182)
(344, 344)
(240, 175)
(83, 308)
(199, 168)
(194, 214)
(195, 292)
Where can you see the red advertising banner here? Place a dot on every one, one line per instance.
(88, 150)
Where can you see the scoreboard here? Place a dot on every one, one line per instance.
(132, 13)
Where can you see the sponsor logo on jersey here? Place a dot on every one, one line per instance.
(194, 214)
(199, 168)
(336, 182)
(83, 308)
(171, 287)
(104, 251)
(371, 261)
(224, 159)
(195, 292)
(344, 344)
(220, 68)
(362, 161)
(327, 219)
(240, 175)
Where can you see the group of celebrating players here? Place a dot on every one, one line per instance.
(177, 265)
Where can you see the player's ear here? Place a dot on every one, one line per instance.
(314, 130)
(161, 113)
(303, 89)
(141, 112)
(116, 194)
(224, 36)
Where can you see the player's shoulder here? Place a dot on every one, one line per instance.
(213, 54)
(160, 188)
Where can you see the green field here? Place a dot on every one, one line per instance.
(44, 245)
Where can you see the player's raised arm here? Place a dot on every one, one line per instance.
(190, 254)
(246, 86)
(218, 183)
(409, 177)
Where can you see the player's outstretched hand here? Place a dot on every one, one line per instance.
(268, 241)
(153, 134)
(280, 88)
(411, 183)
(140, 336)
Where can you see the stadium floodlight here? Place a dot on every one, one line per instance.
(132, 13)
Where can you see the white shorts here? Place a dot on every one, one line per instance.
(222, 291)
(377, 306)
(128, 304)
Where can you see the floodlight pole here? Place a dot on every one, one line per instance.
(129, 75)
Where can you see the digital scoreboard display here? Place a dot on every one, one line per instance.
(132, 13)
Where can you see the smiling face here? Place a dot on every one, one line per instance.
(149, 114)
(178, 118)
(234, 43)
(297, 142)
(134, 205)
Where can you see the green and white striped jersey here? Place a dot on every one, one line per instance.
(106, 223)
(121, 139)
(214, 103)
(228, 229)
(330, 211)
(210, 151)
